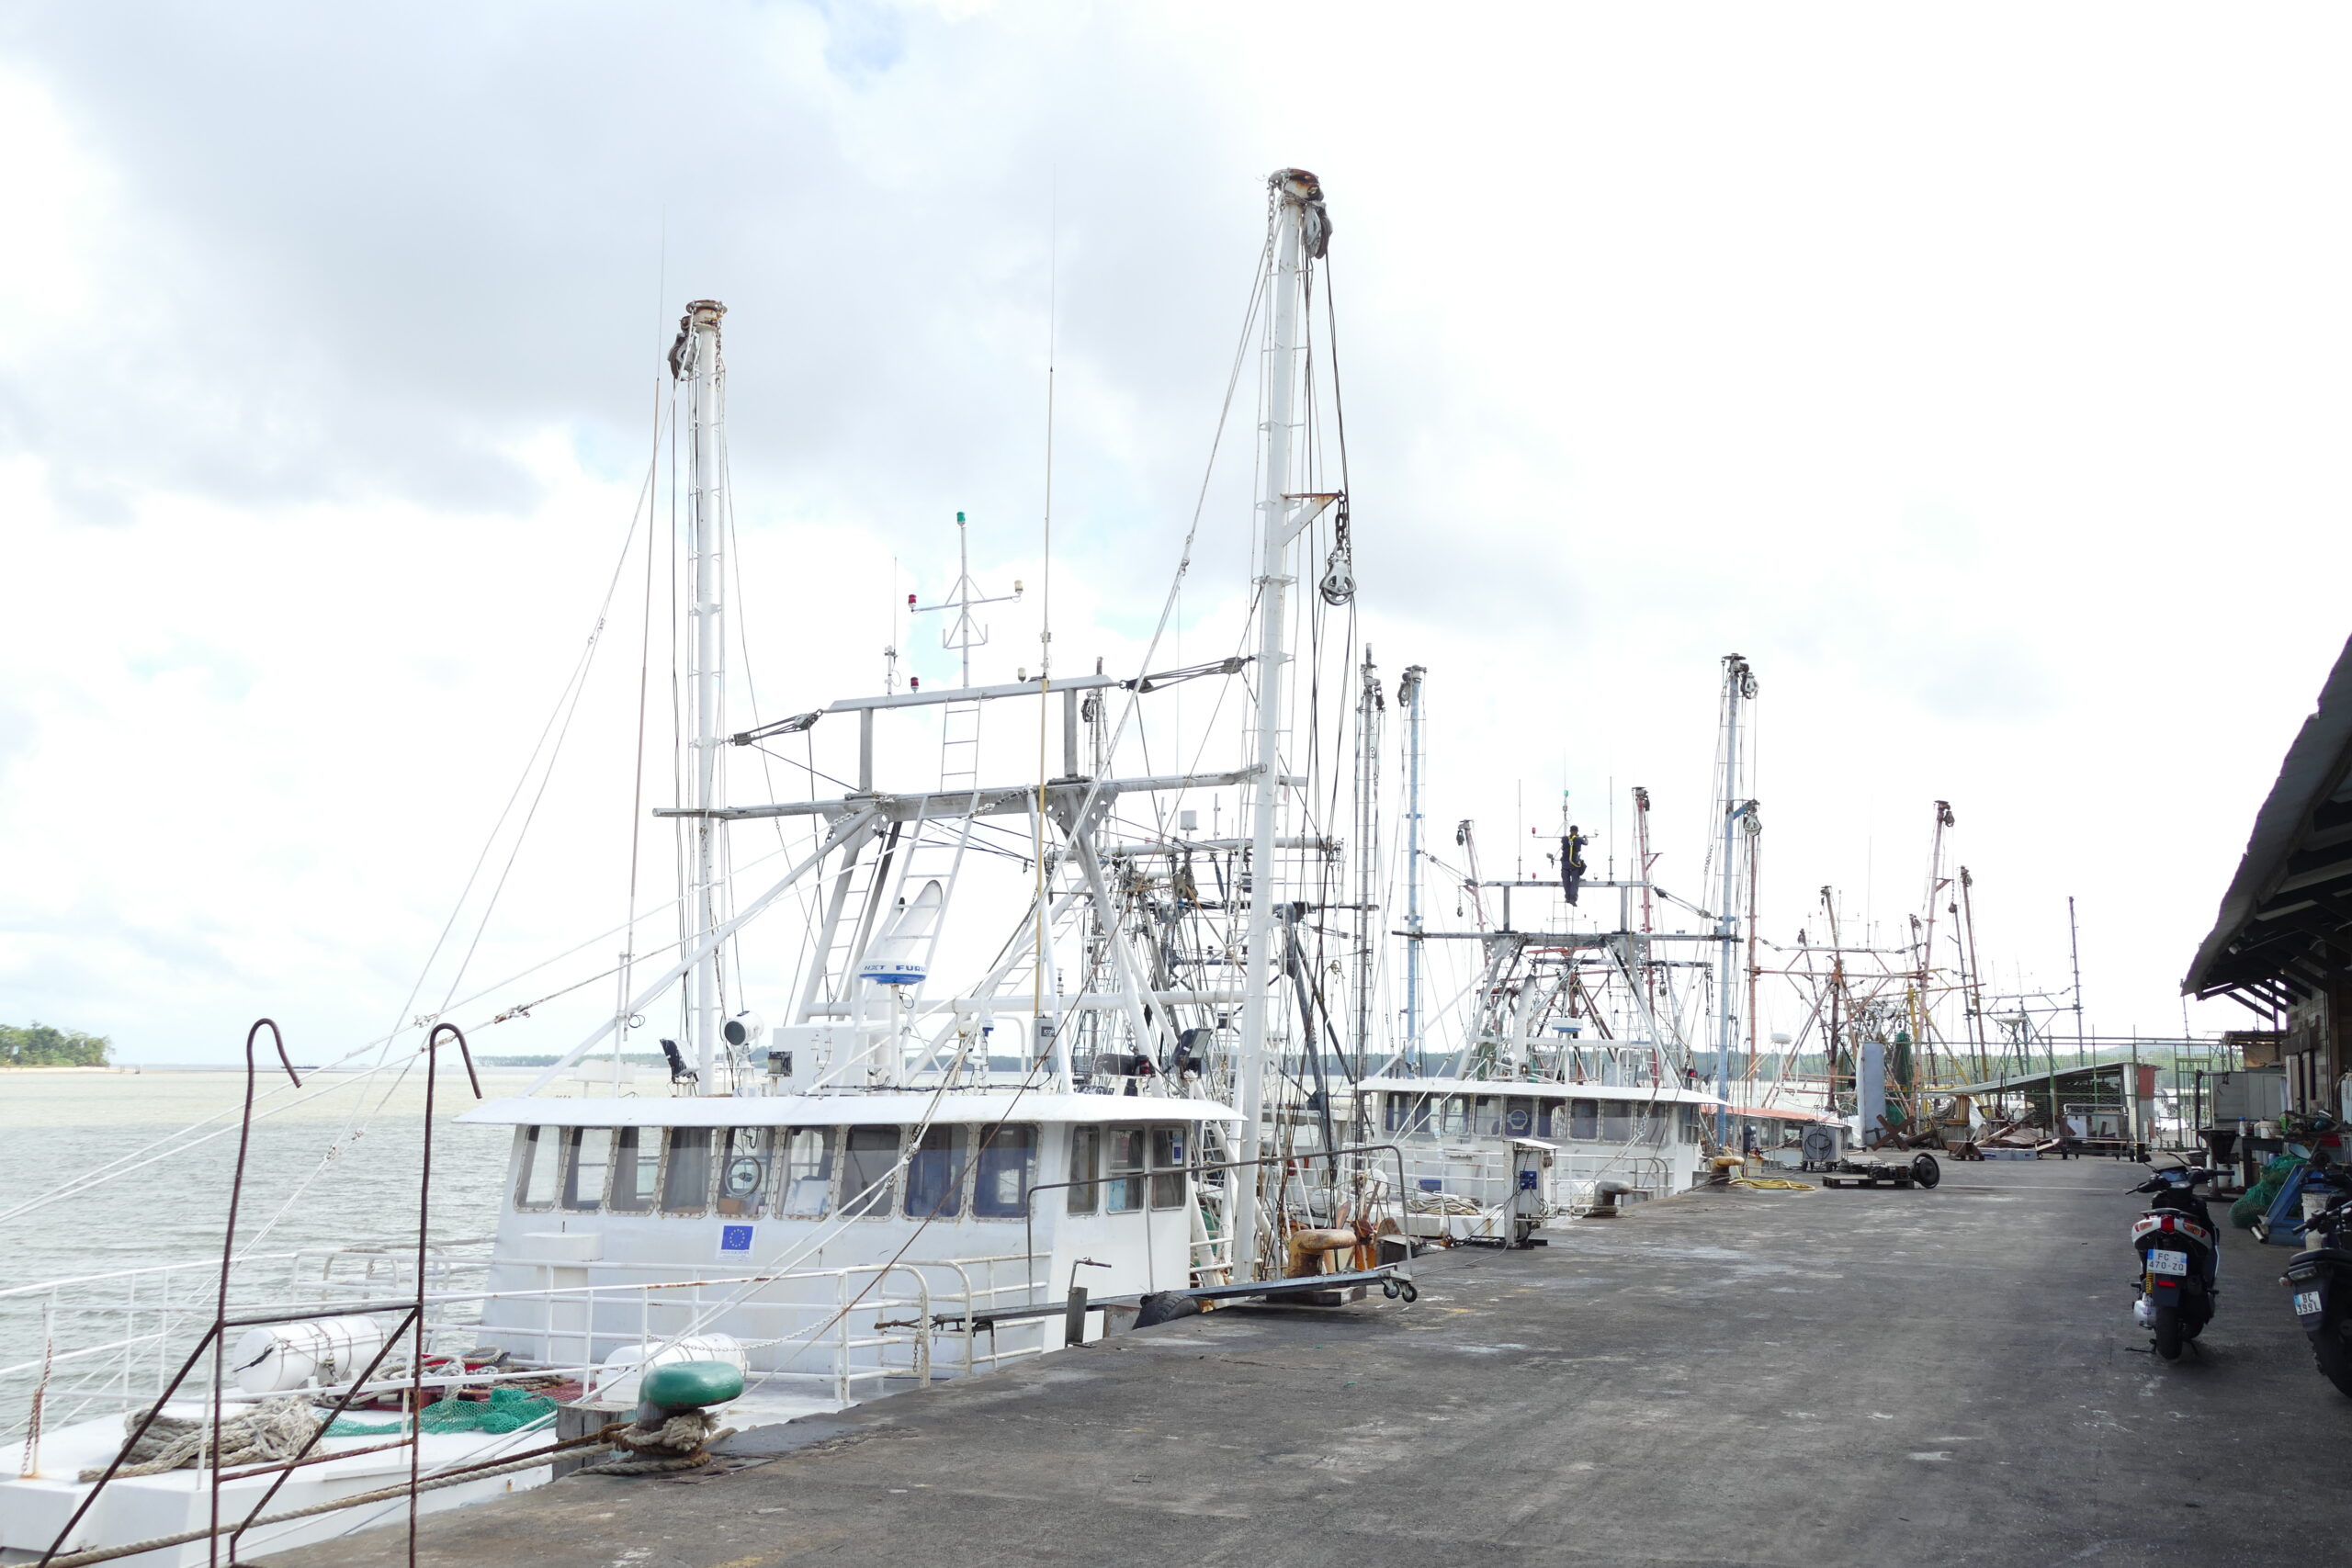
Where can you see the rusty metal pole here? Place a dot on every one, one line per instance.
(228, 1255)
(423, 1223)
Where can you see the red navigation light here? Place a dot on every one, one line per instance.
(914, 683)
(911, 601)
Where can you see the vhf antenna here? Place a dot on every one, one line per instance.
(964, 634)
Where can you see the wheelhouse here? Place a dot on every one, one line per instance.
(799, 1230)
(1464, 1141)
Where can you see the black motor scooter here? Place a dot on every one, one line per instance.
(2321, 1279)
(2179, 1258)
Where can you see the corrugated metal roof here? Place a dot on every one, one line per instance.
(2310, 775)
(2033, 1080)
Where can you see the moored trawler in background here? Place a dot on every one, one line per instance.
(1482, 1155)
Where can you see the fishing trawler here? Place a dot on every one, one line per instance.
(996, 1096)
(1572, 1085)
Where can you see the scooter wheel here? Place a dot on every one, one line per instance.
(2334, 1356)
(2168, 1333)
(1925, 1171)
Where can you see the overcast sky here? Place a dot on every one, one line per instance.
(1977, 373)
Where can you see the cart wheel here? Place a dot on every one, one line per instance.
(1925, 1170)
(1405, 1289)
(1389, 1287)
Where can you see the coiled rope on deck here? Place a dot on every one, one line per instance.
(268, 1434)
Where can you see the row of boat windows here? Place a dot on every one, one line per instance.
(810, 1173)
(1526, 1116)
(1766, 1132)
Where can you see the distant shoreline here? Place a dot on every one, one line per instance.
(145, 1068)
(132, 1069)
(11, 1068)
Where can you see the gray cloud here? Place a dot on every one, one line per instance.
(367, 259)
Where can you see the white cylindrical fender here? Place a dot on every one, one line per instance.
(323, 1351)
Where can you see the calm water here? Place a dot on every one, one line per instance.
(361, 1178)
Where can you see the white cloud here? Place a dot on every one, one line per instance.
(1974, 379)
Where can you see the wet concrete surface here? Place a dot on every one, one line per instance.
(1812, 1380)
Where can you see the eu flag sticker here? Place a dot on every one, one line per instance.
(735, 1238)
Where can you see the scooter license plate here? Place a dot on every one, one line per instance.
(2307, 1304)
(2162, 1262)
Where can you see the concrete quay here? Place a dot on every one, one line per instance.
(1814, 1379)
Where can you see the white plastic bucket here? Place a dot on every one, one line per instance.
(324, 1350)
(616, 1382)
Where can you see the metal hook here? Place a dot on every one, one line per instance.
(285, 1061)
(434, 1040)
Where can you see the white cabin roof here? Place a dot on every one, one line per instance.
(1786, 1112)
(885, 1107)
(1648, 1094)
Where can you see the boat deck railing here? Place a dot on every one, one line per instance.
(829, 1328)
(1486, 1177)
(109, 1341)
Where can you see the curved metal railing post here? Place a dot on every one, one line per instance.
(423, 1225)
(213, 1336)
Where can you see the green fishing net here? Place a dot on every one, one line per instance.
(506, 1410)
(2263, 1193)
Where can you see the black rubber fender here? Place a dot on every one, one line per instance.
(1166, 1306)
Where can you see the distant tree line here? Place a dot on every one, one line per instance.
(635, 1059)
(41, 1047)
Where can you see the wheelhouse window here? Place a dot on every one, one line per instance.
(1519, 1118)
(1453, 1116)
(868, 1157)
(935, 1175)
(1584, 1118)
(744, 1161)
(536, 1181)
(1407, 1114)
(806, 1157)
(1085, 1165)
(1167, 1167)
(588, 1156)
(1616, 1122)
(1002, 1171)
(637, 1169)
(1123, 1193)
(685, 1185)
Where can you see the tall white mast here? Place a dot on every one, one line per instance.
(1369, 708)
(1739, 683)
(1300, 230)
(1409, 697)
(699, 364)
